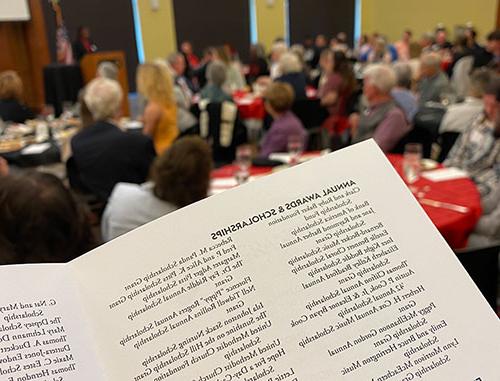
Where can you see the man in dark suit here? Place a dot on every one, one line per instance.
(104, 155)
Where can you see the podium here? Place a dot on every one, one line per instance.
(90, 62)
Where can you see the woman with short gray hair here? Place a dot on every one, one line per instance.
(216, 77)
(292, 73)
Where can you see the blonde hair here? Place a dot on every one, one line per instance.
(103, 98)
(154, 81)
(11, 85)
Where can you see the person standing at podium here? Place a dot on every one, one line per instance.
(83, 43)
(155, 83)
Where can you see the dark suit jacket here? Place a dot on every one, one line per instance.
(13, 111)
(298, 82)
(103, 156)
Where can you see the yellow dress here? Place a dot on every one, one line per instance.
(166, 130)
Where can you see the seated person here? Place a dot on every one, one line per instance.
(103, 154)
(41, 221)
(461, 115)
(278, 101)
(154, 82)
(477, 150)
(11, 94)
(292, 73)
(337, 82)
(434, 83)
(108, 69)
(487, 230)
(382, 120)
(213, 91)
(180, 176)
(401, 93)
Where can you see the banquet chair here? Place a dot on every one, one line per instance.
(446, 141)
(482, 266)
(220, 125)
(312, 115)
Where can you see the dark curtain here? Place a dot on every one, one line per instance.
(328, 17)
(111, 23)
(214, 22)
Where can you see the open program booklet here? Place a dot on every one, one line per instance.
(327, 271)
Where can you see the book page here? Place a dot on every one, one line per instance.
(326, 271)
(43, 332)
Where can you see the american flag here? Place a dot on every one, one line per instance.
(63, 43)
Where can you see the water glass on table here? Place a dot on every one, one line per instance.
(412, 162)
(243, 163)
(295, 148)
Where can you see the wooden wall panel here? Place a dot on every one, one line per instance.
(24, 49)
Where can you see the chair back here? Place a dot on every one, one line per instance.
(460, 78)
(482, 266)
(222, 128)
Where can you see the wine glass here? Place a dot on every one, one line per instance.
(412, 162)
(295, 148)
(243, 163)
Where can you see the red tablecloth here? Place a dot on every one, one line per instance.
(454, 226)
(252, 107)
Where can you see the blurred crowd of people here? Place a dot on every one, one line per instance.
(375, 89)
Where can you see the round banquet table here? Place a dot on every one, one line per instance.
(454, 226)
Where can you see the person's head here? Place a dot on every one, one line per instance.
(321, 41)
(208, 54)
(177, 63)
(407, 34)
(441, 36)
(222, 54)
(83, 32)
(430, 64)
(216, 73)
(490, 100)
(289, 63)
(155, 83)
(326, 61)
(182, 173)
(108, 69)
(479, 81)
(11, 86)
(103, 98)
(380, 46)
(404, 75)
(279, 98)
(277, 50)
(40, 220)
(187, 47)
(379, 80)
(493, 42)
(342, 38)
(426, 40)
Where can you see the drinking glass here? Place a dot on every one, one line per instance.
(295, 148)
(412, 162)
(243, 163)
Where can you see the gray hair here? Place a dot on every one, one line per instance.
(290, 63)
(107, 69)
(479, 81)
(431, 60)
(172, 57)
(103, 98)
(217, 73)
(404, 74)
(381, 76)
